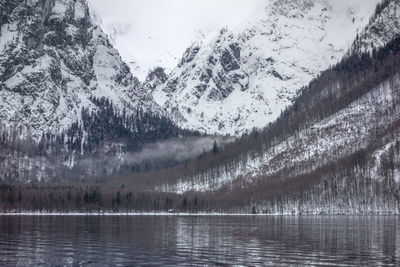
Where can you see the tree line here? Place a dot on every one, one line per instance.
(347, 184)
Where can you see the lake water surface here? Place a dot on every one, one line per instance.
(202, 240)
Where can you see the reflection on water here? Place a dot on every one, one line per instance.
(225, 240)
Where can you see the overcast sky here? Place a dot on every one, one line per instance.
(150, 29)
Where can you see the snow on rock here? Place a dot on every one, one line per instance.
(7, 36)
(239, 79)
(139, 62)
(53, 60)
(384, 27)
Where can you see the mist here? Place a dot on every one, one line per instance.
(159, 154)
(178, 149)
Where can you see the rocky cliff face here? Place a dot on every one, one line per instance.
(342, 157)
(53, 61)
(242, 78)
(383, 27)
(156, 77)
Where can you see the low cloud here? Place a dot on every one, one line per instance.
(178, 149)
(175, 149)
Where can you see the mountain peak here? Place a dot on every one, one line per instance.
(243, 78)
(53, 60)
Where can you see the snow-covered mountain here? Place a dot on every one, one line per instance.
(336, 150)
(336, 136)
(54, 60)
(242, 78)
(383, 27)
(367, 122)
(139, 62)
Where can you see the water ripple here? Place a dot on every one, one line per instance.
(215, 241)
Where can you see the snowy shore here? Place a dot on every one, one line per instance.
(183, 214)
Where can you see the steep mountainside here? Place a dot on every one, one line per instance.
(335, 150)
(243, 78)
(53, 62)
(66, 97)
(339, 113)
(383, 27)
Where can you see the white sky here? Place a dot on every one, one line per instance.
(160, 30)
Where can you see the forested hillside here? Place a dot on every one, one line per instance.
(95, 145)
(335, 150)
(66, 96)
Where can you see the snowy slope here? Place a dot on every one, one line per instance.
(332, 138)
(139, 62)
(239, 79)
(383, 27)
(326, 141)
(53, 60)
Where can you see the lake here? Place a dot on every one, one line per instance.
(200, 240)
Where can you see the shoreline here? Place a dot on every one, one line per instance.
(131, 214)
(181, 214)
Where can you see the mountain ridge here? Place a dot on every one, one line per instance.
(243, 78)
(53, 60)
